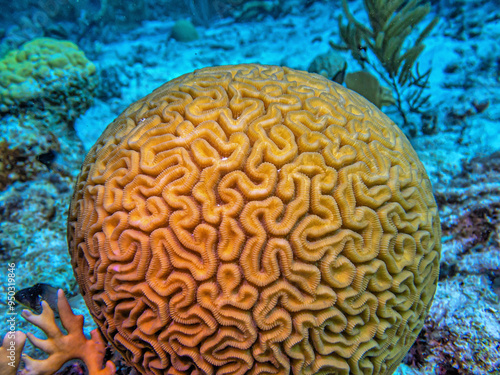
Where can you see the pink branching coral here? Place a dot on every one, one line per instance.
(60, 347)
(10, 352)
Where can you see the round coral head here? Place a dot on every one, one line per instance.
(255, 219)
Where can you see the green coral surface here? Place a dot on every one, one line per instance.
(41, 66)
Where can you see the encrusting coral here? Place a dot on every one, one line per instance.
(60, 347)
(46, 72)
(255, 219)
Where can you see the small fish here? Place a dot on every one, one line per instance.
(32, 297)
(47, 158)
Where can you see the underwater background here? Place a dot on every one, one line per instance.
(69, 68)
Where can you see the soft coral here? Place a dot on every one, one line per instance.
(62, 347)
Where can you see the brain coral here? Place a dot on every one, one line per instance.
(46, 67)
(255, 219)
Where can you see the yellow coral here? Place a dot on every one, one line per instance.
(25, 73)
(255, 219)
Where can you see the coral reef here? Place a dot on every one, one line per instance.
(111, 82)
(206, 12)
(330, 65)
(133, 56)
(19, 151)
(257, 9)
(34, 188)
(470, 213)
(42, 160)
(10, 352)
(386, 38)
(184, 31)
(59, 346)
(369, 87)
(41, 97)
(45, 73)
(255, 218)
(464, 297)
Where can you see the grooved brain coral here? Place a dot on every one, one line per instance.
(255, 219)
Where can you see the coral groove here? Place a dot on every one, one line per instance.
(255, 219)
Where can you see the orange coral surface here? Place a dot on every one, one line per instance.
(255, 219)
